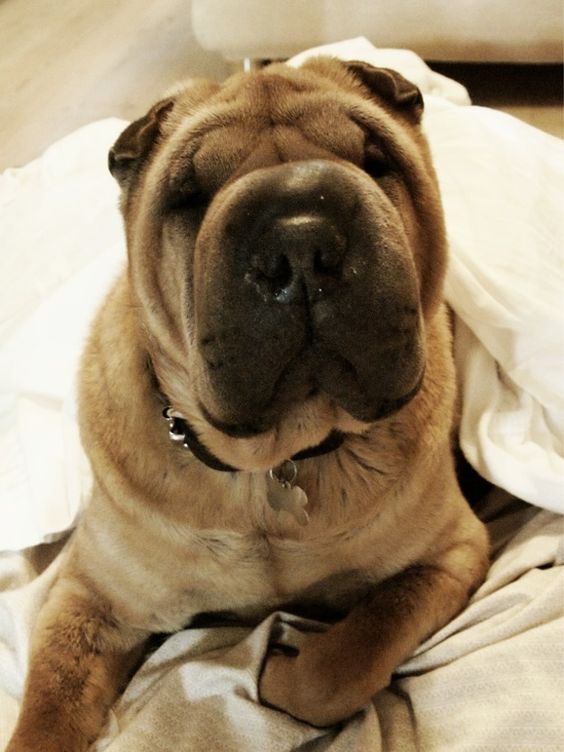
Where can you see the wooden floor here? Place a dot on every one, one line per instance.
(66, 63)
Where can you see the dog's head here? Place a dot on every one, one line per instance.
(286, 247)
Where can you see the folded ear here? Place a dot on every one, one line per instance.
(136, 142)
(391, 86)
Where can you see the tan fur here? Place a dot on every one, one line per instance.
(391, 540)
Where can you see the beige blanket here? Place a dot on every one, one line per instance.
(491, 680)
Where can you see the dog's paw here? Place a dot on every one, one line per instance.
(32, 738)
(316, 685)
(25, 743)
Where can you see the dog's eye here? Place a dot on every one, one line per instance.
(376, 163)
(182, 200)
(183, 192)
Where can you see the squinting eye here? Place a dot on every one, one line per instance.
(183, 190)
(185, 193)
(376, 163)
(182, 200)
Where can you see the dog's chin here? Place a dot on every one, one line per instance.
(258, 447)
(262, 443)
(312, 390)
(353, 403)
(246, 429)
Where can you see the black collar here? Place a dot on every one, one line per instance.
(182, 432)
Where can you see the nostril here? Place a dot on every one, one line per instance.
(276, 268)
(271, 274)
(327, 261)
(280, 275)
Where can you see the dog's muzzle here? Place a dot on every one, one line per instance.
(304, 283)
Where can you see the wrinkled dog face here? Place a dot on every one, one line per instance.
(282, 253)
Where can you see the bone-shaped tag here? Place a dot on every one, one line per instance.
(284, 497)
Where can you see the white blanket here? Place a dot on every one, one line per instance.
(492, 679)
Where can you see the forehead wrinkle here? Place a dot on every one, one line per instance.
(277, 116)
(227, 108)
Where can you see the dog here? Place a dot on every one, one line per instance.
(267, 399)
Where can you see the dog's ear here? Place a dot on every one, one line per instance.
(139, 139)
(136, 142)
(391, 86)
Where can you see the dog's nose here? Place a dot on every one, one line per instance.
(296, 255)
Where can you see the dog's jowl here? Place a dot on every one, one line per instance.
(267, 400)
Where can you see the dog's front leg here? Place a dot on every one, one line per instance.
(336, 673)
(80, 658)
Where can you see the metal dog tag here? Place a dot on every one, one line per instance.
(283, 495)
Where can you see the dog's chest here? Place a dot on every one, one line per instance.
(252, 574)
(228, 549)
(271, 560)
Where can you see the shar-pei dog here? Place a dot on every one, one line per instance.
(267, 400)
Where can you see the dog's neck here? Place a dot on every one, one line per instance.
(181, 432)
(283, 492)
